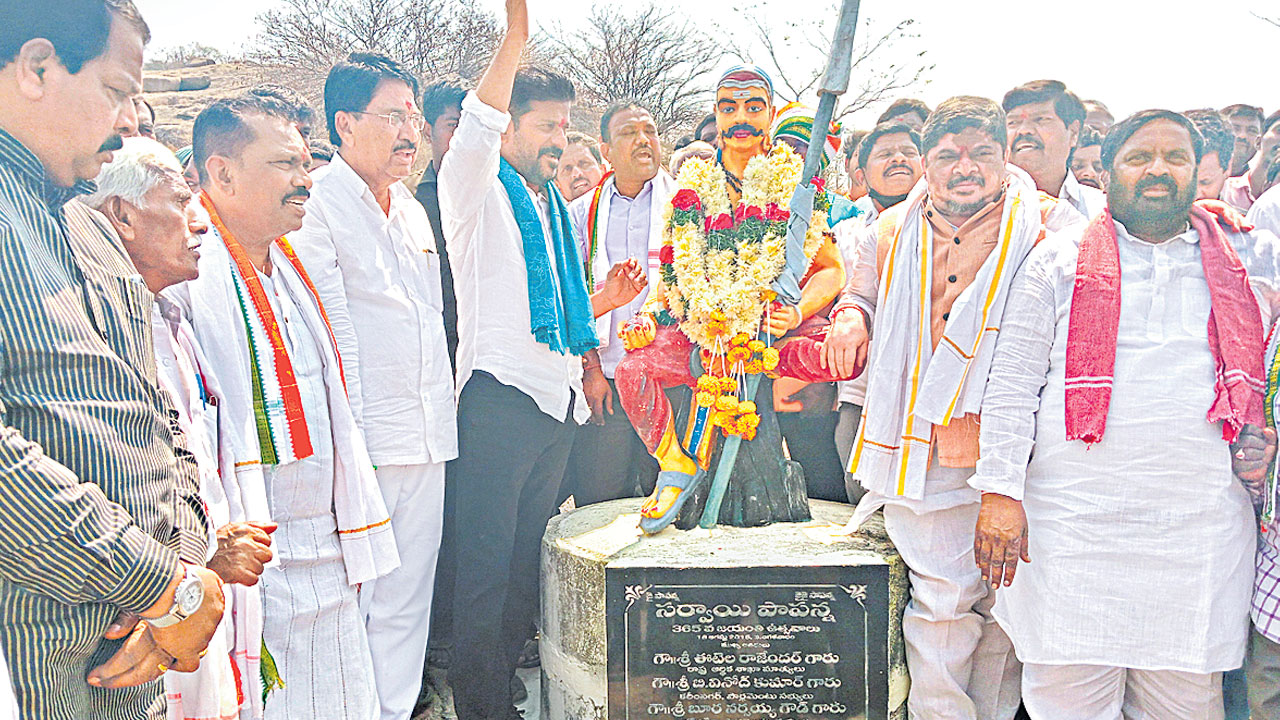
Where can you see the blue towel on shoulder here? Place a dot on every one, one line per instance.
(563, 323)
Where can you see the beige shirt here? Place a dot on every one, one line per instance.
(958, 254)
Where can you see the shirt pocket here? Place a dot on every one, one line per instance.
(429, 265)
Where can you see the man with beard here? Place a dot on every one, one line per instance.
(1113, 615)
(580, 167)
(963, 232)
(368, 247)
(525, 328)
(1086, 161)
(1243, 190)
(889, 165)
(1219, 145)
(99, 503)
(1246, 123)
(291, 440)
(621, 220)
(1044, 123)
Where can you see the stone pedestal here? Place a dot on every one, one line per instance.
(786, 621)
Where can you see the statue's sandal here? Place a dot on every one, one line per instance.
(671, 479)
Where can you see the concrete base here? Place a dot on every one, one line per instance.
(581, 545)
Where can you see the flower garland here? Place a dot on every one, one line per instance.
(718, 266)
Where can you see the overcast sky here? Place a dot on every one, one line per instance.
(1131, 54)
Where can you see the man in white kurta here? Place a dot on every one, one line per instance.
(1141, 544)
(299, 456)
(367, 245)
(948, 253)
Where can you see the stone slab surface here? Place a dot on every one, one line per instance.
(580, 548)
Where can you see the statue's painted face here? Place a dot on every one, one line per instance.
(743, 117)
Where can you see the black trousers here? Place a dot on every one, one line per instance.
(511, 461)
(608, 461)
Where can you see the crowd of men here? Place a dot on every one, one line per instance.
(274, 423)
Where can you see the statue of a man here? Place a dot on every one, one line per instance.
(713, 319)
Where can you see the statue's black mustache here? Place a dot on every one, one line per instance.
(753, 130)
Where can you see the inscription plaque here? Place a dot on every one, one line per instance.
(760, 643)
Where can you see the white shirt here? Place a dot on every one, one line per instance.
(1142, 545)
(490, 280)
(626, 233)
(1265, 213)
(1088, 200)
(378, 276)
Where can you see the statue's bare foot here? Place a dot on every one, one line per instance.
(660, 502)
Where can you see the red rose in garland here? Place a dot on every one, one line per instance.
(723, 221)
(686, 199)
(773, 213)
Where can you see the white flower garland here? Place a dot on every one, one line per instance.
(720, 293)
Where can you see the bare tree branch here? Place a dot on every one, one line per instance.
(640, 55)
(428, 37)
(796, 52)
(1273, 20)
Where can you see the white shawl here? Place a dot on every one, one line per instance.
(891, 455)
(364, 527)
(365, 534)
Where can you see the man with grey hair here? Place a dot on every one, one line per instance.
(143, 195)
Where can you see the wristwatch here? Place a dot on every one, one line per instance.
(187, 599)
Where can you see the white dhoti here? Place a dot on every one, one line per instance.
(312, 623)
(1093, 692)
(8, 702)
(397, 608)
(961, 662)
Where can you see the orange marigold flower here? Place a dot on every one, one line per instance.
(727, 403)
